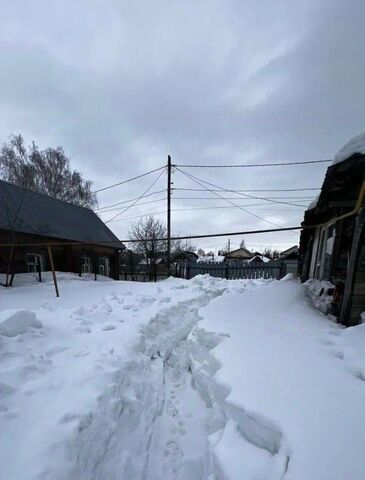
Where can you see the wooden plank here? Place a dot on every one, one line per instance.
(53, 270)
(360, 277)
(359, 288)
(358, 301)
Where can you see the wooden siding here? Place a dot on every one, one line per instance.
(66, 257)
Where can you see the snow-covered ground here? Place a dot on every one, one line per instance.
(206, 379)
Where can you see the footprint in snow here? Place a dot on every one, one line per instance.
(82, 329)
(338, 354)
(106, 328)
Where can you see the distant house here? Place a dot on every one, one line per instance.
(259, 258)
(332, 244)
(185, 255)
(239, 254)
(290, 257)
(81, 242)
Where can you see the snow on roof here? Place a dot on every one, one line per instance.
(261, 257)
(211, 259)
(313, 203)
(355, 145)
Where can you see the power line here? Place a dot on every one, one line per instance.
(139, 198)
(256, 205)
(129, 180)
(190, 209)
(186, 237)
(254, 190)
(222, 189)
(194, 208)
(240, 198)
(130, 200)
(232, 203)
(131, 206)
(252, 165)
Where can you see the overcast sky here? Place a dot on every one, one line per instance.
(120, 84)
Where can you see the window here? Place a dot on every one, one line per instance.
(104, 267)
(324, 254)
(85, 264)
(35, 262)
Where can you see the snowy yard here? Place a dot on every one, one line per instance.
(189, 380)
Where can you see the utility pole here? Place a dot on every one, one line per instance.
(168, 213)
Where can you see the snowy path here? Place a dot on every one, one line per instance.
(205, 379)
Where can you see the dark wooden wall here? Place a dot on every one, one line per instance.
(66, 257)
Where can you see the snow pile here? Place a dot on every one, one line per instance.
(19, 322)
(180, 380)
(286, 397)
(321, 294)
(355, 145)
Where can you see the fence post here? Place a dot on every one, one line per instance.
(188, 271)
(39, 271)
(282, 270)
(154, 272)
(226, 266)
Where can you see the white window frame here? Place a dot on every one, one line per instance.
(85, 264)
(104, 265)
(39, 259)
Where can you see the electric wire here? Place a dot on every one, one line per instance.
(130, 200)
(129, 180)
(252, 190)
(223, 189)
(138, 198)
(132, 206)
(253, 165)
(232, 203)
(200, 208)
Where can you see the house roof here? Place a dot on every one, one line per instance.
(245, 253)
(25, 211)
(289, 251)
(261, 257)
(355, 145)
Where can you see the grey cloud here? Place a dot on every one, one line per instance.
(122, 84)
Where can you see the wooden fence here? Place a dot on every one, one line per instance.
(229, 270)
(234, 270)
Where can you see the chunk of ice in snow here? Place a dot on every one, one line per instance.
(18, 323)
(288, 276)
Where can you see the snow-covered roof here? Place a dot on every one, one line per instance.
(211, 259)
(313, 203)
(355, 145)
(261, 257)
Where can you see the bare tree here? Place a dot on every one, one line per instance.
(147, 233)
(180, 247)
(243, 243)
(273, 254)
(46, 171)
(201, 252)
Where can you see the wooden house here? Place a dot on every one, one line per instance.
(30, 221)
(239, 254)
(290, 258)
(258, 258)
(332, 244)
